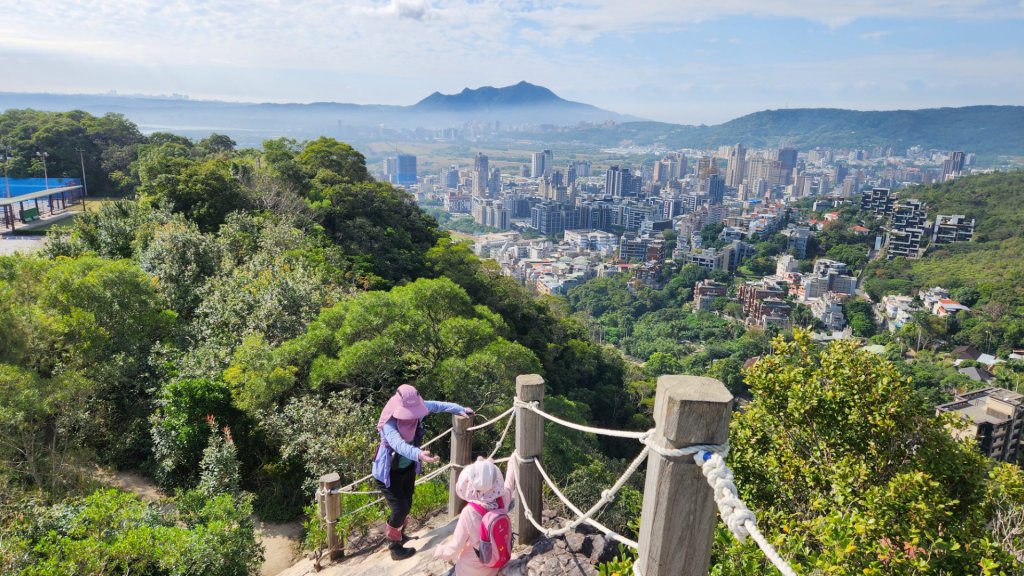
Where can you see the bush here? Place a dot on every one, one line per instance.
(113, 532)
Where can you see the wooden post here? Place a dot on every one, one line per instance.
(529, 444)
(462, 455)
(679, 514)
(335, 542)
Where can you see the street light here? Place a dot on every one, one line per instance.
(85, 185)
(7, 158)
(46, 178)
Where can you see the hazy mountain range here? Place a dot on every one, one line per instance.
(545, 117)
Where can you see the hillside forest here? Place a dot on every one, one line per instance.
(231, 326)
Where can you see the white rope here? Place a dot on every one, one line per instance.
(735, 514)
(582, 517)
(501, 439)
(606, 497)
(535, 408)
(492, 420)
(676, 453)
(436, 438)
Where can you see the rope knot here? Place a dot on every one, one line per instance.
(734, 512)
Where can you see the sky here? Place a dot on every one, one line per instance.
(686, 61)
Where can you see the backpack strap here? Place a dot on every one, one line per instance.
(483, 527)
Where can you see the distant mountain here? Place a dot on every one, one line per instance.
(518, 95)
(518, 105)
(987, 130)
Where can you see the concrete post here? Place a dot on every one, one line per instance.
(335, 540)
(462, 454)
(529, 444)
(679, 514)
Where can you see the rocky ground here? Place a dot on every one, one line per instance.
(576, 554)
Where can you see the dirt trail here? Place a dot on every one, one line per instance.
(280, 541)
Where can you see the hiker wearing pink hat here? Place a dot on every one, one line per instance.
(399, 457)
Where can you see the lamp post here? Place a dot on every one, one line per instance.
(85, 185)
(46, 177)
(7, 158)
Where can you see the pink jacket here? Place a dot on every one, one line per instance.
(460, 548)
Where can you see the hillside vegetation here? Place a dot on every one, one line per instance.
(985, 130)
(986, 274)
(234, 329)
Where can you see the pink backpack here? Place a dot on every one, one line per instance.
(495, 535)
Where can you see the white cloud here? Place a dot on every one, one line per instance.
(407, 9)
(396, 51)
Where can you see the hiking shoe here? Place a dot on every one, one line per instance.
(401, 553)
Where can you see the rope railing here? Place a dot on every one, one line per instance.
(535, 408)
(348, 489)
(734, 512)
(588, 517)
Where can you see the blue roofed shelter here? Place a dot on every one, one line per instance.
(26, 195)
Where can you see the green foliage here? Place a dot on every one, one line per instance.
(111, 232)
(860, 317)
(337, 434)
(41, 426)
(180, 429)
(992, 200)
(87, 318)
(219, 468)
(181, 259)
(988, 271)
(850, 473)
(379, 224)
(203, 191)
(114, 532)
(108, 143)
(584, 486)
(621, 565)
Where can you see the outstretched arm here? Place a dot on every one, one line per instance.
(450, 407)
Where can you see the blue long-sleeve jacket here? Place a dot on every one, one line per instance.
(391, 442)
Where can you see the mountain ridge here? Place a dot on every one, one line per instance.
(984, 129)
(521, 94)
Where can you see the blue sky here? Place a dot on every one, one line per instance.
(690, 61)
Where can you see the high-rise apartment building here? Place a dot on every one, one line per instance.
(879, 201)
(405, 172)
(953, 166)
(619, 182)
(737, 166)
(787, 161)
(716, 189)
(542, 164)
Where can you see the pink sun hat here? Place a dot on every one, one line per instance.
(410, 404)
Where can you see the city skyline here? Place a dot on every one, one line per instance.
(683, 62)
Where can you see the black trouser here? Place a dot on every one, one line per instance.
(399, 494)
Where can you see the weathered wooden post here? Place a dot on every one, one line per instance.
(332, 511)
(462, 454)
(679, 515)
(529, 444)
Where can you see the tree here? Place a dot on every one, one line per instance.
(861, 318)
(328, 162)
(180, 426)
(181, 259)
(379, 225)
(851, 473)
(218, 470)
